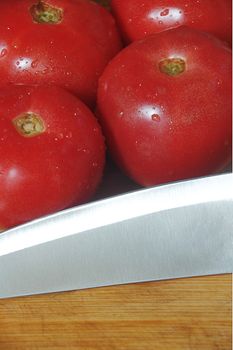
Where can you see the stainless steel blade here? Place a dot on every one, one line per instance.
(177, 230)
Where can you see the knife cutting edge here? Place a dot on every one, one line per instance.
(181, 229)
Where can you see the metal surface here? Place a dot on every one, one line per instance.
(177, 230)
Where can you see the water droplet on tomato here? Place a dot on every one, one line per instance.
(160, 22)
(165, 12)
(3, 53)
(34, 63)
(45, 70)
(69, 135)
(155, 118)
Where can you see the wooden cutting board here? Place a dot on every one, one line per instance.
(183, 314)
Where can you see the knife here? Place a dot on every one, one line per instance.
(181, 229)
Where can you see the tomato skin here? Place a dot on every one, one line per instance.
(138, 19)
(53, 170)
(162, 128)
(71, 54)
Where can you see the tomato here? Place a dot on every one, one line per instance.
(52, 152)
(164, 103)
(138, 19)
(57, 42)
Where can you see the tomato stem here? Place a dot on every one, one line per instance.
(45, 13)
(29, 124)
(172, 66)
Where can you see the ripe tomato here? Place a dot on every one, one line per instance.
(59, 42)
(138, 18)
(52, 152)
(165, 106)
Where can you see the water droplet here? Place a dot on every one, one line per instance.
(165, 12)
(121, 114)
(94, 164)
(69, 135)
(3, 53)
(155, 118)
(45, 70)
(34, 64)
(160, 22)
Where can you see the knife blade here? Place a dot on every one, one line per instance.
(181, 229)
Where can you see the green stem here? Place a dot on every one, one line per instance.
(172, 66)
(44, 13)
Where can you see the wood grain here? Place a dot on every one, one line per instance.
(183, 314)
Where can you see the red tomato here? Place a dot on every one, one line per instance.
(52, 152)
(139, 18)
(59, 42)
(165, 106)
